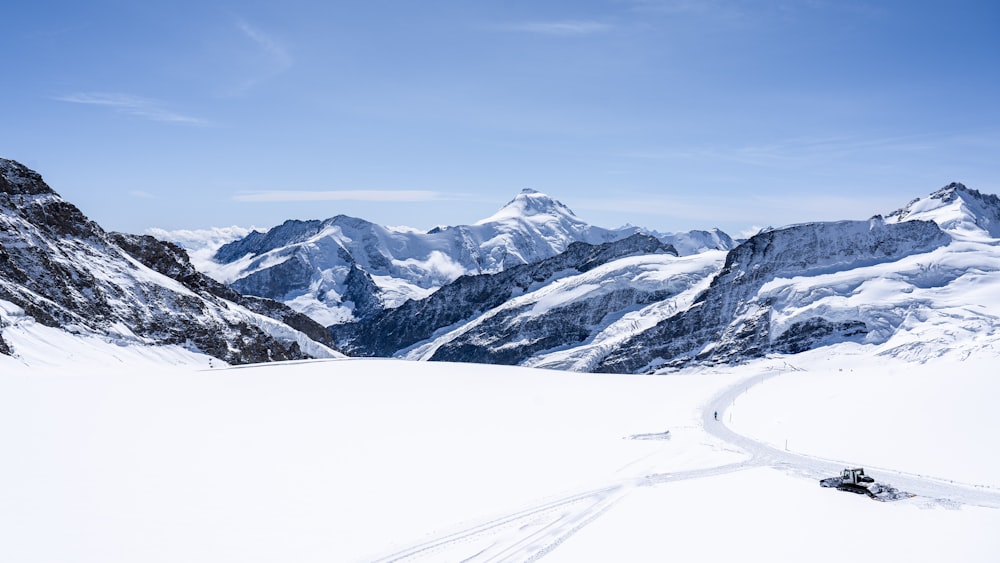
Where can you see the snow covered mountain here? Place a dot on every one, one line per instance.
(345, 269)
(532, 285)
(61, 270)
(882, 281)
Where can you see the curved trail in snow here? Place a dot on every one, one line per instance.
(532, 533)
(938, 490)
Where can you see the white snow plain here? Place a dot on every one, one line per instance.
(148, 454)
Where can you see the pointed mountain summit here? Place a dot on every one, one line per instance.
(343, 269)
(531, 203)
(959, 210)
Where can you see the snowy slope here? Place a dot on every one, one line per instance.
(345, 268)
(603, 306)
(685, 278)
(41, 349)
(963, 212)
(391, 332)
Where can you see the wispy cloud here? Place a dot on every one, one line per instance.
(259, 56)
(141, 194)
(128, 104)
(675, 6)
(750, 210)
(561, 28)
(274, 50)
(795, 152)
(275, 196)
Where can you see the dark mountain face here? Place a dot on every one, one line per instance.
(392, 330)
(173, 262)
(257, 243)
(65, 271)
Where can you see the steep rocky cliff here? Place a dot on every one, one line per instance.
(65, 271)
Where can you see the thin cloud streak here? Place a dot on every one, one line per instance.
(136, 106)
(561, 28)
(260, 58)
(278, 196)
(752, 209)
(804, 151)
(274, 50)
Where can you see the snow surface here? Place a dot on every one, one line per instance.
(360, 460)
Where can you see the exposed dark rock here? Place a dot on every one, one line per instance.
(173, 262)
(807, 335)
(257, 243)
(363, 293)
(503, 340)
(287, 278)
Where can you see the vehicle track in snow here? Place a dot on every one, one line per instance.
(935, 490)
(531, 533)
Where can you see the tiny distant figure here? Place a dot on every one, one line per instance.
(716, 415)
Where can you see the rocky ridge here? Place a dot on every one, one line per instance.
(63, 270)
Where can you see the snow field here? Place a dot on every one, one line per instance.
(313, 460)
(362, 460)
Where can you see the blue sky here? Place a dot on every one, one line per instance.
(669, 114)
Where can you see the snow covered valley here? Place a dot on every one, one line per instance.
(166, 459)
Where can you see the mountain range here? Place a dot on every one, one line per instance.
(532, 285)
(345, 269)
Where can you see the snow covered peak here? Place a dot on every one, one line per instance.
(957, 209)
(531, 204)
(950, 191)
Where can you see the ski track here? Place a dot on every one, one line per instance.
(526, 535)
(530, 534)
